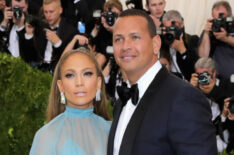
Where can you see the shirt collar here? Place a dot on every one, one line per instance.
(145, 80)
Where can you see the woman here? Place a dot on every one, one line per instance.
(75, 119)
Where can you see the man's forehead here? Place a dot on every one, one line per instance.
(156, 1)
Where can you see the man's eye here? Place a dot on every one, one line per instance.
(88, 73)
(69, 75)
(135, 37)
(118, 39)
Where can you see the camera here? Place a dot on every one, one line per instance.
(97, 17)
(226, 23)
(110, 17)
(203, 78)
(17, 11)
(169, 34)
(231, 105)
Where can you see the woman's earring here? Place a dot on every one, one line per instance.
(98, 95)
(62, 98)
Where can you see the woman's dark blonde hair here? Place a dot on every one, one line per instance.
(55, 107)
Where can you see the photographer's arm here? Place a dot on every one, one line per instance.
(204, 47)
(77, 38)
(7, 16)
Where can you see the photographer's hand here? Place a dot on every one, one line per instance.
(52, 37)
(178, 45)
(208, 88)
(104, 23)
(194, 79)
(19, 22)
(82, 40)
(208, 26)
(227, 111)
(224, 37)
(8, 14)
(156, 21)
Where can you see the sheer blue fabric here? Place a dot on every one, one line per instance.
(74, 132)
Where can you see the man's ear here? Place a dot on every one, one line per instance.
(214, 74)
(156, 44)
(147, 7)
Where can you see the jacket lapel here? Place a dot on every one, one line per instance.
(117, 111)
(137, 117)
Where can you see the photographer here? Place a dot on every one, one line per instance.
(216, 90)
(11, 25)
(102, 35)
(216, 40)
(181, 46)
(102, 31)
(156, 9)
(51, 39)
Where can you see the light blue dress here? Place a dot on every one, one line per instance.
(74, 132)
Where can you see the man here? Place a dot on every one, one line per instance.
(216, 90)
(156, 9)
(51, 41)
(219, 44)
(209, 82)
(171, 116)
(12, 25)
(183, 48)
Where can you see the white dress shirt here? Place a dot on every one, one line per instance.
(14, 41)
(129, 108)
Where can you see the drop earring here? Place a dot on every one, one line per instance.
(62, 98)
(98, 95)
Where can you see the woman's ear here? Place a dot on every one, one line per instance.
(156, 44)
(60, 85)
(99, 83)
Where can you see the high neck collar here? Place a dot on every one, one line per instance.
(75, 112)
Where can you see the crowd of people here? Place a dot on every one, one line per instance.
(95, 48)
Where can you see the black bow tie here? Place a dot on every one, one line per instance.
(126, 93)
(54, 29)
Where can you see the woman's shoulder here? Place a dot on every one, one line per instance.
(49, 129)
(102, 122)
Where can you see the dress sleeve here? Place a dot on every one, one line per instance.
(42, 144)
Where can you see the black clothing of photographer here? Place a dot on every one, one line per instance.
(217, 40)
(12, 25)
(181, 46)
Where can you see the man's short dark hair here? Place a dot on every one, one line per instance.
(135, 12)
(10, 1)
(225, 4)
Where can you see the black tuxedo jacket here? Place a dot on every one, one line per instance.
(172, 118)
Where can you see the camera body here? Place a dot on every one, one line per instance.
(226, 23)
(231, 105)
(203, 78)
(169, 34)
(110, 17)
(17, 11)
(97, 14)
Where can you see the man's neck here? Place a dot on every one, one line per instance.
(56, 24)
